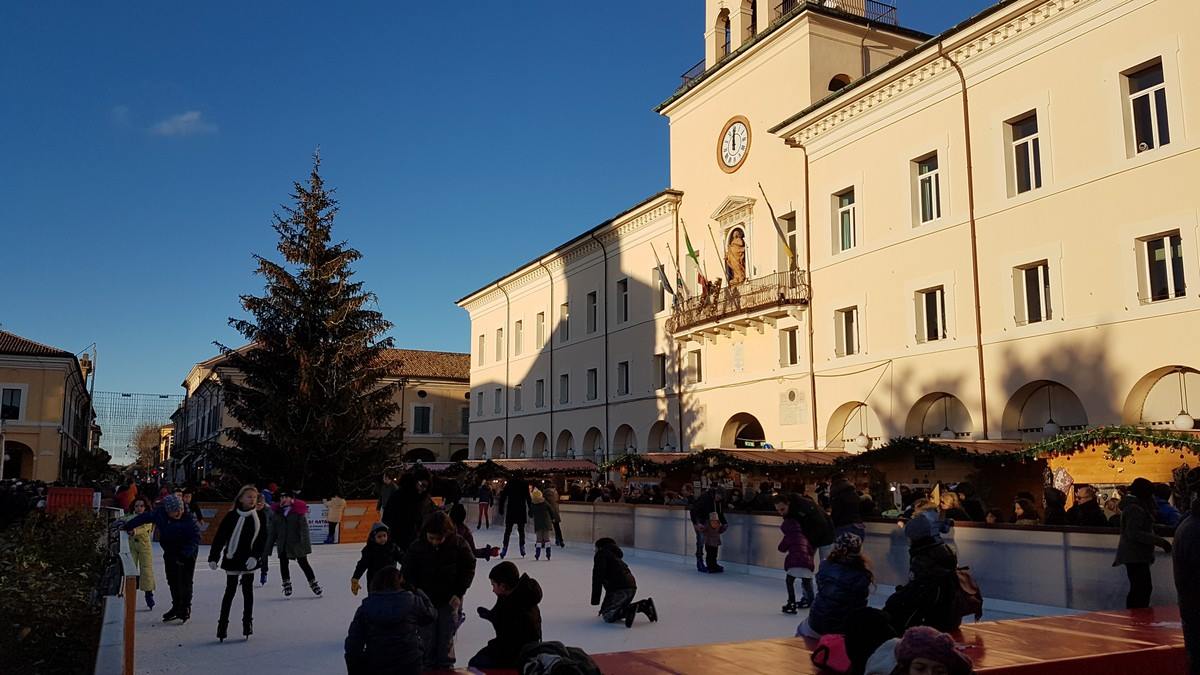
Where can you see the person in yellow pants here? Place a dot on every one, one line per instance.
(142, 549)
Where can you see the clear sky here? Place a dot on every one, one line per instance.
(144, 146)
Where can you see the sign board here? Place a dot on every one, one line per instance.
(318, 527)
(923, 462)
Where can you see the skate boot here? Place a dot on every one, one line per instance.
(547, 551)
(247, 628)
(503, 552)
(789, 608)
(171, 615)
(185, 614)
(647, 607)
(715, 569)
(150, 600)
(222, 630)
(630, 612)
(316, 588)
(537, 553)
(262, 578)
(522, 550)
(700, 567)
(805, 602)
(287, 589)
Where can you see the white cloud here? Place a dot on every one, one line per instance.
(119, 115)
(190, 123)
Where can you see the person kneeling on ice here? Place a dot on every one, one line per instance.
(516, 618)
(712, 542)
(612, 575)
(843, 585)
(378, 553)
(385, 635)
(458, 515)
(440, 563)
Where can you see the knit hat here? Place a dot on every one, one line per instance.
(505, 573)
(928, 643)
(537, 496)
(172, 503)
(1141, 488)
(378, 527)
(848, 544)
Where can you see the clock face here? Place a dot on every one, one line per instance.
(734, 144)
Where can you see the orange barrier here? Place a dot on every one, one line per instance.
(357, 519)
(64, 498)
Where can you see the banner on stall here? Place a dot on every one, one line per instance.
(318, 527)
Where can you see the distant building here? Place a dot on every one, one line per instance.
(46, 410)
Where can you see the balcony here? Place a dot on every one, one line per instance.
(692, 73)
(868, 9)
(751, 303)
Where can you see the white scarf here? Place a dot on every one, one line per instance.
(236, 539)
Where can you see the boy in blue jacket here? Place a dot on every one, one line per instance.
(179, 537)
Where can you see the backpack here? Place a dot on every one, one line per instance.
(815, 523)
(830, 654)
(968, 600)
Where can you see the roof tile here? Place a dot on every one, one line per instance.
(15, 344)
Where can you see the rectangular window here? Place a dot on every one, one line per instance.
(788, 224)
(846, 321)
(480, 349)
(1162, 274)
(564, 388)
(517, 398)
(660, 371)
(592, 376)
(564, 322)
(539, 394)
(1148, 107)
(931, 314)
(789, 346)
(622, 378)
(847, 227)
(695, 367)
(499, 344)
(1026, 153)
(498, 401)
(591, 312)
(623, 301)
(929, 189)
(479, 404)
(422, 419)
(518, 336)
(10, 404)
(660, 291)
(541, 329)
(1032, 291)
(465, 421)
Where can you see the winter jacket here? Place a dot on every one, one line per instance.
(1137, 534)
(974, 508)
(1087, 514)
(883, 660)
(465, 532)
(843, 504)
(375, 557)
(485, 495)
(542, 520)
(1186, 560)
(705, 505)
(929, 598)
(290, 532)
(178, 537)
(404, 514)
(551, 496)
(143, 554)
(383, 638)
(841, 589)
(441, 571)
(514, 501)
(712, 535)
(1167, 514)
(609, 571)
(247, 552)
(334, 509)
(795, 545)
(517, 621)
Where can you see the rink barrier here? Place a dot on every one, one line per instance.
(115, 653)
(357, 519)
(1042, 565)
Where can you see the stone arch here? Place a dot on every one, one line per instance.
(420, 455)
(1032, 408)
(850, 421)
(18, 460)
(625, 440)
(723, 34)
(593, 444)
(460, 455)
(497, 448)
(518, 446)
(838, 82)
(933, 413)
(1161, 396)
(661, 437)
(541, 445)
(741, 431)
(565, 445)
(480, 449)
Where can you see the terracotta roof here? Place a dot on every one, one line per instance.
(983, 447)
(15, 344)
(419, 363)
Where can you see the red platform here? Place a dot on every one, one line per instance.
(60, 499)
(1097, 643)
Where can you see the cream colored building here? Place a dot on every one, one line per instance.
(995, 236)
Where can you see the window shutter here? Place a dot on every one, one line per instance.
(1020, 312)
(919, 317)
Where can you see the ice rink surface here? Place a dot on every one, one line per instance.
(304, 635)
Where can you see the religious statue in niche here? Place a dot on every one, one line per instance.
(735, 256)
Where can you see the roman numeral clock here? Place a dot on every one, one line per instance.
(733, 144)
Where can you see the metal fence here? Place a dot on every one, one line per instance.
(868, 9)
(774, 290)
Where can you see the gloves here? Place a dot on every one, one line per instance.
(212, 565)
(483, 612)
(251, 563)
(354, 586)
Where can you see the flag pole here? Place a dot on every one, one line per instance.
(779, 231)
(724, 255)
(679, 280)
(662, 272)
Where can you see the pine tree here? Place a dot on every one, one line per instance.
(314, 404)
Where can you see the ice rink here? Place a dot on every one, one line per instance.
(304, 634)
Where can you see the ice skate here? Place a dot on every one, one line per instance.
(184, 615)
(700, 567)
(222, 630)
(631, 612)
(316, 588)
(247, 628)
(287, 589)
(537, 553)
(547, 551)
(150, 600)
(789, 608)
(804, 603)
(647, 607)
(171, 615)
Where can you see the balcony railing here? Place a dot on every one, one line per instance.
(692, 73)
(779, 290)
(868, 9)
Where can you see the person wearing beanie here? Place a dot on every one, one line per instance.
(380, 552)
(923, 650)
(515, 616)
(843, 585)
(239, 547)
(539, 510)
(1135, 549)
(292, 538)
(179, 537)
(1186, 566)
(458, 515)
(385, 636)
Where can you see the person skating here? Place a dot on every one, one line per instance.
(843, 585)
(408, 507)
(238, 547)
(712, 501)
(180, 540)
(379, 553)
(799, 561)
(260, 505)
(143, 552)
(385, 636)
(441, 564)
(540, 511)
(189, 502)
(1135, 549)
(334, 507)
(551, 495)
(485, 506)
(514, 505)
(291, 538)
(458, 515)
(712, 542)
(611, 575)
(515, 616)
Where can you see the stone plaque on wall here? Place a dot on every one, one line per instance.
(791, 407)
(739, 357)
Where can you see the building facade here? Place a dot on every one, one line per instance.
(984, 234)
(46, 412)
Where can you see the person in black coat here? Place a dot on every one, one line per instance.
(408, 507)
(515, 616)
(1086, 511)
(441, 564)
(1186, 561)
(969, 499)
(611, 575)
(712, 501)
(179, 537)
(380, 552)
(928, 599)
(385, 635)
(239, 548)
(514, 506)
(1055, 503)
(844, 508)
(1135, 548)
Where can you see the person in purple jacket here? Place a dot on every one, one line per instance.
(799, 560)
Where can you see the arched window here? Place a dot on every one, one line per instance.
(838, 82)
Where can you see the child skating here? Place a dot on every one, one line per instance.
(515, 616)
(292, 539)
(799, 561)
(712, 542)
(379, 553)
(611, 575)
(143, 552)
(238, 547)
(542, 516)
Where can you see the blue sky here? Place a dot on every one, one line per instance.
(145, 145)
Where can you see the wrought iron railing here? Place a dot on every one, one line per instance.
(868, 9)
(718, 302)
(693, 73)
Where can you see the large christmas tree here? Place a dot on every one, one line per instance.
(314, 405)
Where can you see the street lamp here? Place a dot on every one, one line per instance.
(1183, 421)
